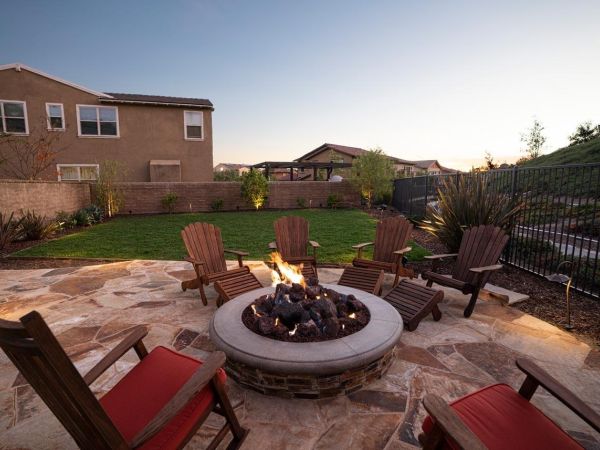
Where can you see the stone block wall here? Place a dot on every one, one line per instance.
(43, 197)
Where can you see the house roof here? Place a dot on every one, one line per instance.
(426, 163)
(115, 97)
(232, 166)
(18, 67)
(350, 151)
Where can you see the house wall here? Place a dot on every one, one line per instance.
(146, 132)
(45, 198)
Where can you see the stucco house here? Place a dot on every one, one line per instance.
(232, 167)
(156, 138)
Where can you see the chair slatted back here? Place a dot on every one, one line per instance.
(291, 236)
(391, 234)
(203, 242)
(34, 350)
(480, 246)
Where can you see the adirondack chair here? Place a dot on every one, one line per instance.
(160, 403)
(391, 236)
(291, 241)
(477, 257)
(206, 253)
(498, 417)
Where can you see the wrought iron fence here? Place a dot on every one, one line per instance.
(560, 219)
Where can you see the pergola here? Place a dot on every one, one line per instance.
(315, 166)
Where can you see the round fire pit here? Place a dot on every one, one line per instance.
(307, 369)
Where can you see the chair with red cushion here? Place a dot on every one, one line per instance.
(498, 417)
(159, 404)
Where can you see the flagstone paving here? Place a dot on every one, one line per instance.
(91, 308)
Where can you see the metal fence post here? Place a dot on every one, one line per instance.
(426, 192)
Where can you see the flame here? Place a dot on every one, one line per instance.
(289, 273)
(254, 310)
(277, 321)
(293, 332)
(352, 316)
(343, 327)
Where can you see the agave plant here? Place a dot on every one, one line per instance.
(35, 227)
(10, 229)
(468, 202)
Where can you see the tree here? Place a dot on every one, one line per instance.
(255, 188)
(372, 174)
(108, 193)
(226, 175)
(27, 157)
(534, 139)
(489, 161)
(585, 132)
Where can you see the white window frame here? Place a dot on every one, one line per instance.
(62, 112)
(96, 136)
(185, 126)
(79, 166)
(4, 117)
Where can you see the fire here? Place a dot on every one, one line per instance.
(277, 321)
(352, 316)
(254, 310)
(293, 332)
(289, 272)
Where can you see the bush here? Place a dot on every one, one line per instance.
(468, 203)
(217, 204)
(373, 175)
(301, 202)
(95, 213)
(82, 218)
(108, 193)
(333, 200)
(255, 188)
(10, 229)
(168, 202)
(36, 227)
(64, 220)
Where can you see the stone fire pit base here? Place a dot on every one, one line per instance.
(309, 370)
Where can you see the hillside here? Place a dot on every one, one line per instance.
(588, 152)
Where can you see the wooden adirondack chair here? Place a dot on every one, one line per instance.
(391, 236)
(160, 403)
(477, 257)
(291, 241)
(498, 417)
(206, 253)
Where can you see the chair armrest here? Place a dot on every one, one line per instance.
(361, 246)
(536, 376)
(445, 255)
(133, 339)
(486, 268)
(403, 251)
(194, 261)
(273, 245)
(195, 384)
(447, 422)
(236, 252)
(314, 244)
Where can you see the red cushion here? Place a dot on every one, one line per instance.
(139, 396)
(503, 419)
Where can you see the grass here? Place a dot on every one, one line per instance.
(157, 237)
(588, 152)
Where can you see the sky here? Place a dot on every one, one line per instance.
(445, 80)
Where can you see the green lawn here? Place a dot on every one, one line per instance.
(157, 237)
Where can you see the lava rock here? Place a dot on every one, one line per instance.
(312, 292)
(266, 325)
(342, 309)
(282, 288)
(353, 303)
(325, 308)
(288, 313)
(312, 281)
(308, 329)
(331, 327)
(264, 305)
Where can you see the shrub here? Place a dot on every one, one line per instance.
(95, 213)
(372, 174)
(333, 200)
(226, 175)
(36, 227)
(255, 188)
(64, 220)
(301, 202)
(10, 229)
(217, 204)
(468, 203)
(82, 218)
(108, 194)
(168, 202)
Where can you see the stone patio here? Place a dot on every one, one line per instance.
(91, 308)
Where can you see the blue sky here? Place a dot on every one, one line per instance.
(440, 79)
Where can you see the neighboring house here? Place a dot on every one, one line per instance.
(345, 154)
(156, 138)
(239, 168)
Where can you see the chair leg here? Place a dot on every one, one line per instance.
(239, 432)
(397, 277)
(436, 313)
(190, 284)
(429, 283)
(471, 306)
(203, 294)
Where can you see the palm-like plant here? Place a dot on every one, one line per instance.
(10, 229)
(467, 202)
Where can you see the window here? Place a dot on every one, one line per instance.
(193, 123)
(13, 117)
(56, 116)
(98, 121)
(77, 172)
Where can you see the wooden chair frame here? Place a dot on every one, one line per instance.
(391, 237)
(35, 351)
(480, 245)
(368, 280)
(448, 424)
(292, 242)
(204, 245)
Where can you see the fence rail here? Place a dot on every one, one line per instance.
(560, 219)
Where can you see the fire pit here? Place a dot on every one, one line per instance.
(335, 366)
